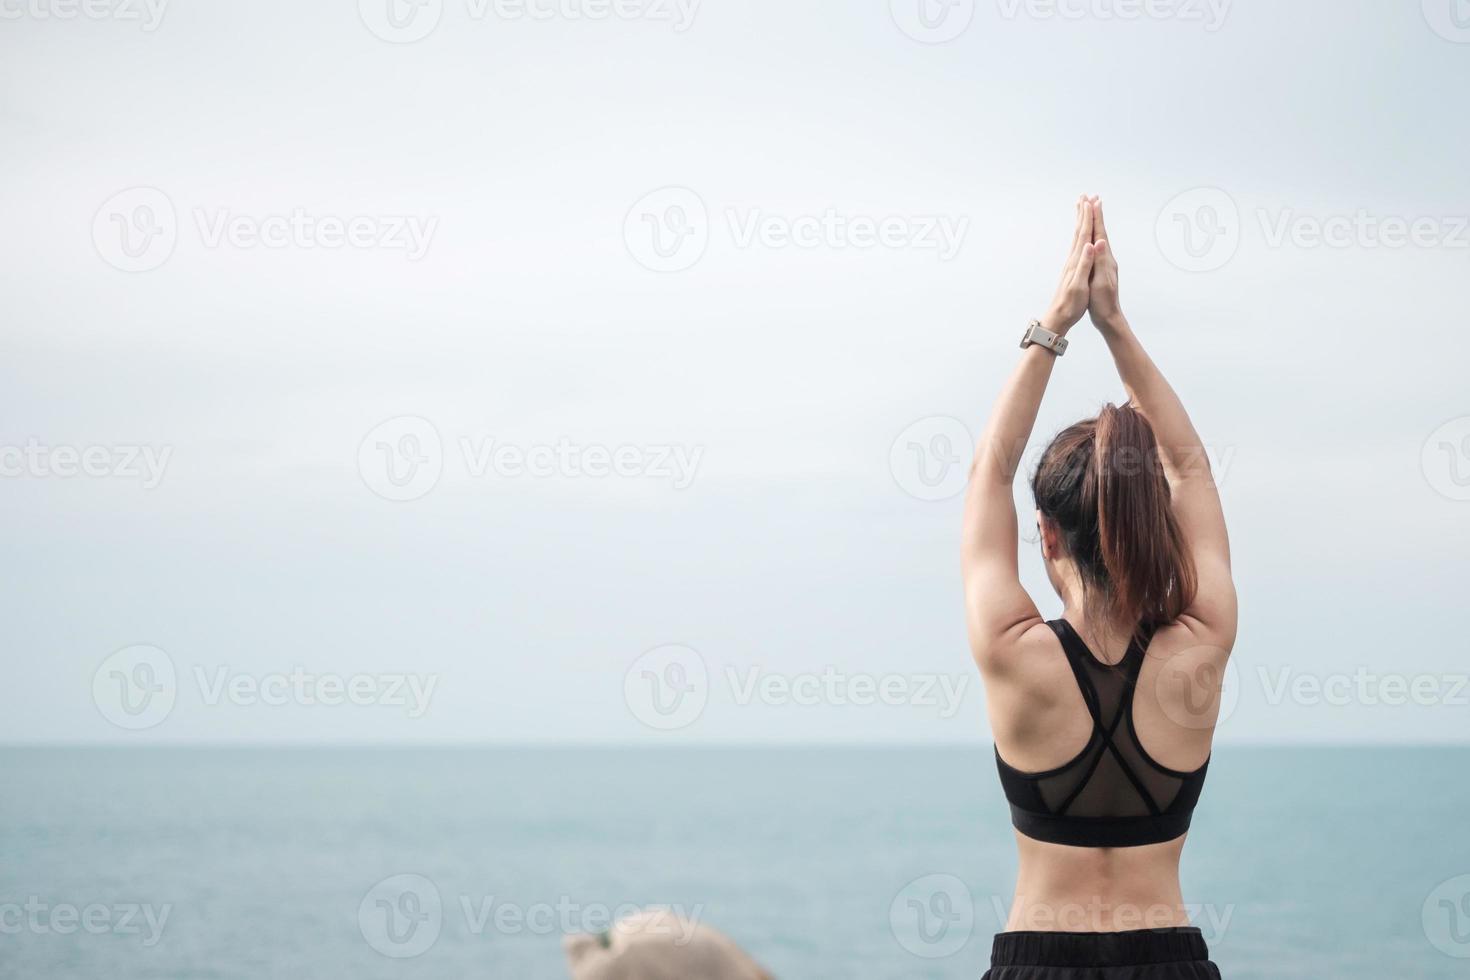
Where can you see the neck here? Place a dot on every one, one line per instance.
(1069, 587)
(1102, 634)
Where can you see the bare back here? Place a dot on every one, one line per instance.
(1041, 722)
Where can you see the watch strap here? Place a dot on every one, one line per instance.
(1042, 337)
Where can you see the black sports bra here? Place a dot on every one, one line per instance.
(1112, 794)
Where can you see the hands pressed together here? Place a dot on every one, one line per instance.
(1090, 277)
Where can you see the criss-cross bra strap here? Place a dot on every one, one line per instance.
(1078, 656)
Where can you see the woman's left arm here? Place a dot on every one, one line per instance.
(997, 607)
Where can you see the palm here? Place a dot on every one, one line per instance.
(1071, 298)
(1103, 287)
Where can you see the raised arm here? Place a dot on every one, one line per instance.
(997, 607)
(1186, 465)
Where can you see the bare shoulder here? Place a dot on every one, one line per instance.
(1026, 656)
(1037, 712)
(1179, 695)
(1192, 651)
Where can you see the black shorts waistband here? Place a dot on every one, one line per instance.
(1134, 948)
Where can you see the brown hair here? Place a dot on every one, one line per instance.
(1100, 483)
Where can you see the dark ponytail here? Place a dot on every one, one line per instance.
(1101, 484)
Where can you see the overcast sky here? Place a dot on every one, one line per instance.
(454, 360)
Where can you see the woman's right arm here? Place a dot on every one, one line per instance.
(1186, 464)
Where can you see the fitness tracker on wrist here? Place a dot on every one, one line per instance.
(1042, 337)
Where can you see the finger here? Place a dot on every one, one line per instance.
(1099, 257)
(1085, 263)
(1100, 228)
(1079, 234)
(1076, 235)
(1087, 223)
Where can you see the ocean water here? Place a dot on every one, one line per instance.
(128, 864)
